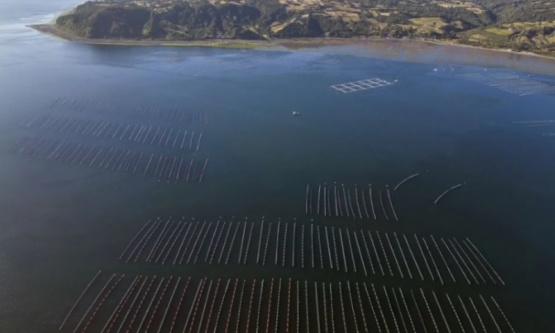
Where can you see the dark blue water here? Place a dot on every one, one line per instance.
(60, 223)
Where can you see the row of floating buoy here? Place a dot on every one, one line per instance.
(447, 191)
(425, 258)
(172, 169)
(181, 304)
(126, 109)
(144, 134)
(511, 83)
(338, 200)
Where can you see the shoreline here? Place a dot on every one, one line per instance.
(378, 46)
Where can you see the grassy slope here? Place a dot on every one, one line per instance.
(524, 25)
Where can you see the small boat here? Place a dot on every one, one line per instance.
(296, 113)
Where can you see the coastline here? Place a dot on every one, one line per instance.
(450, 51)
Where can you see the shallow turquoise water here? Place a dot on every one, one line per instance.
(61, 223)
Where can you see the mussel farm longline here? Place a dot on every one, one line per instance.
(155, 304)
(353, 202)
(511, 83)
(357, 251)
(135, 134)
(447, 191)
(405, 180)
(168, 168)
(125, 109)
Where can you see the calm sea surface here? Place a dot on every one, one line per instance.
(61, 223)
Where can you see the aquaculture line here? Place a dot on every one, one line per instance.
(309, 246)
(143, 134)
(145, 303)
(179, 115)
(164, 167)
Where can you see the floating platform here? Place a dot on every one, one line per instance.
(354, 86)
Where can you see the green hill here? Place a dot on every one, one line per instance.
(518, 25)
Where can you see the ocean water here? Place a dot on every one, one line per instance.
(61, 223)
